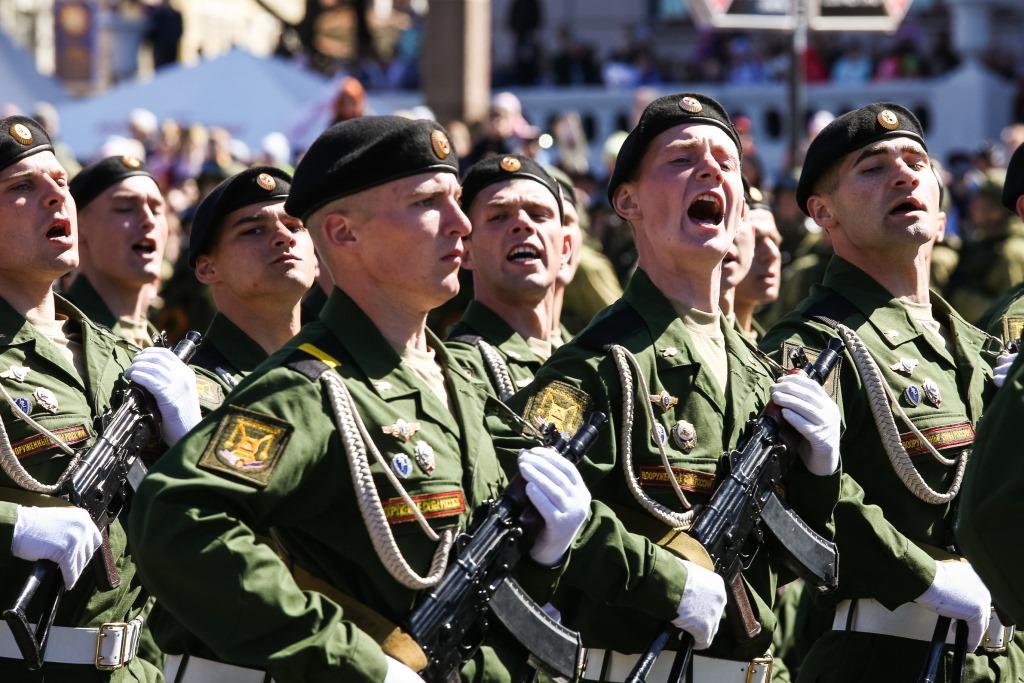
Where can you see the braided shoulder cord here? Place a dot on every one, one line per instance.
(13, 468)
(627, 364)
(497, 369)
(356, 440)
(882, 404)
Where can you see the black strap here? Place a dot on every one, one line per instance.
(614, 327)
(210, 358)
(310, 366)
(470, 339)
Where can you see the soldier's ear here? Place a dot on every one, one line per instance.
(625, 202)
(941, 234)
(1020, 205)
(820, 208)
(206, 269)
(337, 229)
(467, 253)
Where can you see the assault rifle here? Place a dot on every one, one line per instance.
(731, 526)
(452, 619)
(102, 483)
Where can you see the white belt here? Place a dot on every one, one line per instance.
(199, 670)
(705, 669)
(909, 620)
(107, 647)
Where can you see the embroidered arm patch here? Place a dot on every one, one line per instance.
(211, 394)
(247, 445)
(1012, 326)
(831, 384)
(560, 403)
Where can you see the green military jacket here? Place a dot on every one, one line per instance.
(514, 356)
(1005, 318)
(41, 381)
(225, 357)
(83, 295)
(582, 376)
(271, 456)
(886, 535)
(992, 499)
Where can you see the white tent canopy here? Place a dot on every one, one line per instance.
(248, 95)
(21, 84)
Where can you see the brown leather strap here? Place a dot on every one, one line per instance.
(679, 543)
(18, 496)
(393, 640)
(739, 611)
(107, 576)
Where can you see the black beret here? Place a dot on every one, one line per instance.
(754, 197)
(499, 169)
(1013, 186)
(357, 154)
(94, 179)
(20, 137)
(252, 186)
(660, 115)
(564, 183)
(850, 132)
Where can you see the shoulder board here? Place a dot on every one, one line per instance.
(313, 360)
(610, 329)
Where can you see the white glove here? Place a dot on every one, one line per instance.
(66, 536)
(1002, 368)
(958, 593)
(700, 610)
(400, 673)
(812, 412)
(173, 385)
(556, 489)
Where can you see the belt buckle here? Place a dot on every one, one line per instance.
(1006, 635)
(756, 661)
(101, 633)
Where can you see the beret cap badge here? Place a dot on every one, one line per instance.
(21, 133)
(439, 141)
(691, 104)
(130, 162)
(756, 195)
(510, 164)
(887, 119)
(266, 181)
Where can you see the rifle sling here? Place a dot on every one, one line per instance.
(10, 494)
(677, 542)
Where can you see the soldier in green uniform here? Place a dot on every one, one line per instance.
(990, 503)
(679, 384)
(737, 261)
(761, 284)
(122, 219)
(1005, 318)
(258, 263)
(58, 374)
(911, 387)
(363, 446)
(515, 253)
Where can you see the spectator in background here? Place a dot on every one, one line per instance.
(46, 115)
(574, 62)
(853, 66)
(276, 151)
(143, 126)
(350, 102)
(525, 19)
(746, 66)
(164, 33)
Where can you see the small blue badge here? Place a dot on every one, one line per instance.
(23, 403)
(402, 465)
(913, 395)
(660, 435)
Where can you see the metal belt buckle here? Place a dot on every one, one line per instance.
(998, 636)
(766, 660)
(101, 633)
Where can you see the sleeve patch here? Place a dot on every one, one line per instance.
(1012, 326)
(247, 445)
(831, 384)
(211, 394)
(562, 404)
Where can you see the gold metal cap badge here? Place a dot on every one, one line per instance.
(510, 164)
(888, 120)
(130, 162)
(439, 141)
(266, 181)
(691, 104)
(21, 133)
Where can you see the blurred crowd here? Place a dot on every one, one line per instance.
(980, 257)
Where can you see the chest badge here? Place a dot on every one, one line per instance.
(402, 465)
(18, 372)
(905, 366)
(664, 400)
(684, 434)
(23, 404)
(912, 395)
(932, 396)
(383, 385)
(401, 429)
(659, 436)
(424, 455)
(669, 351)
(46, 399)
